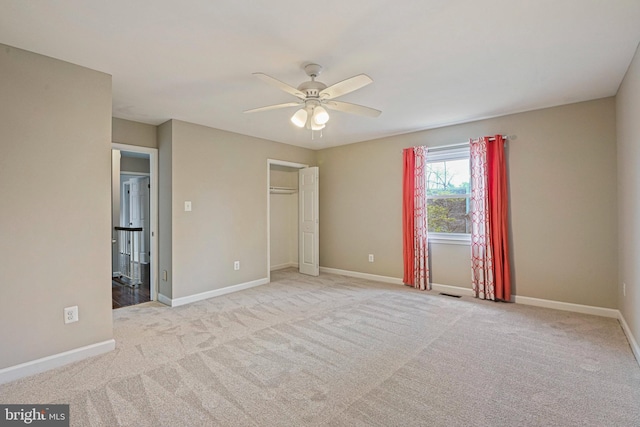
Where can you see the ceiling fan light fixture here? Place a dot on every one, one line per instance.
(316, 126)
(299, 118)
(320, 116)
(313, 95)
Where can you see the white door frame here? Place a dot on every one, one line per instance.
(153, 209)
(275, 163)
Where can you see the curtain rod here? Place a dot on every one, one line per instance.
(464, 144)
(505, 137)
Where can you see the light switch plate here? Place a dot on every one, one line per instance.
(187, 206)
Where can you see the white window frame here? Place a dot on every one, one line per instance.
(436, 154)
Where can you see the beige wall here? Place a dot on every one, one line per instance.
(165, 201)
(224, 175)
(562, 170)
(55, 246)
(628, 132)
(134, 133)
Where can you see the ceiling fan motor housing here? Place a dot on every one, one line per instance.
(312, 89)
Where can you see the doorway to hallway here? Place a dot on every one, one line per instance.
(134, 225)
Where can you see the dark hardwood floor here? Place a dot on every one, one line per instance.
(123, 295)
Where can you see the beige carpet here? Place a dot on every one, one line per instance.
(337, 351)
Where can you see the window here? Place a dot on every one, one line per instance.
(448, 195)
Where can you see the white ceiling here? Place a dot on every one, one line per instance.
(433, 62)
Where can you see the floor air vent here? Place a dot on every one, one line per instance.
(450, 295)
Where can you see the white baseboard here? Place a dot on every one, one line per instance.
(453, 290)
(33, 367)
(374, 277)
(283, 266)
(164, 300)
(567, 306)
(557, 305)
(175, 302)
(632, 341)
(457, 290)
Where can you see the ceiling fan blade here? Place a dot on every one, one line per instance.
(347, 107)
(346, 86)
(274, 107)
(280, 85)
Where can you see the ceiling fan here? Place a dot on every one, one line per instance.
(313, 96)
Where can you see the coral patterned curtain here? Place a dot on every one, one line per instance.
(414, 218)
(489, 220)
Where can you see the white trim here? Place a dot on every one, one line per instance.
(164, 300)
(176, 302)
(449, 238)
(450, 196)
(451, 152)
(457, 290)
(276, 163)
(153, 209)
(356, 274)
(453, 290)
(287, 164)
(283, 266)
(446, 154)
(33, 367)
(632, 341)
(134, 173)
(567, 306)
(556, 305)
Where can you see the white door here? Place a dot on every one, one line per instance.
(125, 213)
(145, 200)
(139, 215)
(309, 247)
(115, 211)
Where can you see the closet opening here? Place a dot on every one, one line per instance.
(284, 207)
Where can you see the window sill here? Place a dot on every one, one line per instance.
(450, 239)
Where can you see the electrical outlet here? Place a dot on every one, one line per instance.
(71, 314)
(236, 265)
(370, 257)
(164, 275)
